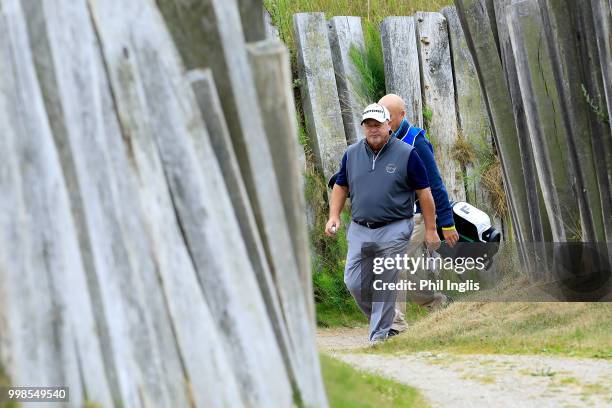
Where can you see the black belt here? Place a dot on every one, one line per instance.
(373, 225)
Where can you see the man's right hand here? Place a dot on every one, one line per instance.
(332, 226)
(432, 240)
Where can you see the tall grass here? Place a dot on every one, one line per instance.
(370, 66)
(374, 11)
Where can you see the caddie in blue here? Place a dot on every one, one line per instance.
(416, 137)
(383, 174)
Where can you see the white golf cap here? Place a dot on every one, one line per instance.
(375, 111)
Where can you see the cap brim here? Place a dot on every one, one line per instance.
(369, 116)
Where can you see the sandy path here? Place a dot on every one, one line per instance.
(482, 380)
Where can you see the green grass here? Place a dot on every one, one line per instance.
(569, 329)
(348, 387)
(5, 381)
(370, 66)
(375, 11)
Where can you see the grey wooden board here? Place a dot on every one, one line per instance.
(346, 33)
(318, 91)
(223, 50)
(577, 68)
(402, 67)
(160, 113)
(210, 107)
(602, 16)
(123, 281)
(439, 97)
(544, 121)
(473, 120)
(51, 334)
(271, 29)
(540, 227)
(546, 132)
(272, 73)
(475, 23)
(252, 18)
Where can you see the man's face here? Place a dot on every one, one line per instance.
(376, 133)
(397, 115)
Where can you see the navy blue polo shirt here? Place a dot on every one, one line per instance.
(417, 173)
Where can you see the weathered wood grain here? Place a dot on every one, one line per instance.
(50, 332)
(540, 227)
(570, 40)
(439, 98)
(160, 115)
(402, 67)
(344, 33)
(322, 111)
(216, 26)
(473, 120)
(542, 110)
(475, 23)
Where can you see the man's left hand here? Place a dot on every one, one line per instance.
(450, 236)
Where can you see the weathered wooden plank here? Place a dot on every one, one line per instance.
(160, 113)
(476, 27)
(439, 97)
(318, 90)
(272, 73)
(214, 119)
(540, 228)
(45, 305)
(223, 49)
(401, 59)
(569, 34)
(344, 33)
(252, 19)
(271, 29)
(123, 280)
(602, 17)
(544, 122)
(473, 120)
(215, 25)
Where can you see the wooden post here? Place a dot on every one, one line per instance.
(160, 114)
(578, 79)
(47, 326)
(272, 73)
(318, 91)
(542, 110)
(402, 68)
(475, 23)
(439, 98)
(473, 120)
(344, 33)
(216, 26)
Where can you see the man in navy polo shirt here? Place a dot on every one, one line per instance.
(415, 137)
(382, 174)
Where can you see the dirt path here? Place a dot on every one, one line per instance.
(451, 380)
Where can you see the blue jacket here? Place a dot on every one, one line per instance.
(416, 137)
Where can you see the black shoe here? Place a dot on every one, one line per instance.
(392, 332)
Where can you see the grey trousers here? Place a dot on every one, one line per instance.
(364, 244)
